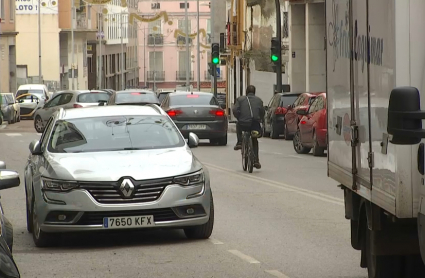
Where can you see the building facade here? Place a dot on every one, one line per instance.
(8, 43)
(162, 44)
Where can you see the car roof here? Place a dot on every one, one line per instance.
(31, 86)
(291, 94)
(181, 93)
(135, 90)
(113, 110)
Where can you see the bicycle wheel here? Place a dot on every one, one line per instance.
(250, 155)
(244, 153)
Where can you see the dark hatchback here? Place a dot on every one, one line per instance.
(199, 113)
(133, 97)
(274, 120)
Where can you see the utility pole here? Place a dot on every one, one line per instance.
(198, 50)
(144, 54)
(100, 50)
(279, 47)
(212, 40)
(39, 43)
(122, 52)
(187, 48)
(154, 61)
(72, 42)
(0, 60)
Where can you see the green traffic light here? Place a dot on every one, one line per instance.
(215, 60)
(274, 58)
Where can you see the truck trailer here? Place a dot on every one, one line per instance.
(375, 66)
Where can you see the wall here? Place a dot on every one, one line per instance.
(297, 48)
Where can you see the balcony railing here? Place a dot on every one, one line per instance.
(155, 39)
(181, 75)
(157, 75)
(181, 40)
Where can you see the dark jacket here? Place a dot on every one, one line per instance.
(242, 112)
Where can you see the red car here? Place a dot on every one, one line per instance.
(292, 119)
(312, 129)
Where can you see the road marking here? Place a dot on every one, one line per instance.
(295, 156)
(244, 257)
(214, 241)
(284, 186)
(13, 134)
(276, 273)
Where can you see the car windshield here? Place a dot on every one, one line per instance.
(102, 134)
(92, 97)
(287, 100)
(135, 97)
(310, 101)
(38, 93)
(193, 99)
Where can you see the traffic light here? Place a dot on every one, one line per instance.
(215, 53)
(210, 69)
(275, 54)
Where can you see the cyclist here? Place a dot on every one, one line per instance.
(249, 110)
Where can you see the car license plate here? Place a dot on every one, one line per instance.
(196, 127)
(128, 222)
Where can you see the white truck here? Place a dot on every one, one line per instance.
(375, 63)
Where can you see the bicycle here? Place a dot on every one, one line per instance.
(247, 151)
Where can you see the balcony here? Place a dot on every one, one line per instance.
(181, 75)
(157, 75)
(181, 40)
(155, 39)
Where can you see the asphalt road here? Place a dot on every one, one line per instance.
(285, 220)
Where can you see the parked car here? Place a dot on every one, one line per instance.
(8, 266)
(274, 120)
(39, 90)
(29, 103)
(312, 132)
(115, 167)
(132, 97)
(67, 99)
(10, 109)
(199, 113)
(292, 119)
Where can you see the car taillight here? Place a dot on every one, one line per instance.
(77, 106)
(303, 122)
(219, 113)
(173, 113)
(280, 111)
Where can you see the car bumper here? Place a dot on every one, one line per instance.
(213, 130)
(321, 136)
(169, 211)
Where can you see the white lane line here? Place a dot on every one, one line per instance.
(244, 257)
(276, 273)
(13, 134)
(215, 241)
(279, 185)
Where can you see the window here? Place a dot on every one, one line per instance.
(38, 93)
(54, 101)
(182, 25)
(66, 98)
(11, 10)
(156, 61)
(313, 107)
(135, 97)
(90, 64)
(103, 134)
(155, 6)
(182, 5)
(2, 11)
(93, 97)
(287, 100)
(46, 134)
(310, 101)
(155, 27)
(208, 37)
(193, 99)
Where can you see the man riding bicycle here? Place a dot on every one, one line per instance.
(249, 110)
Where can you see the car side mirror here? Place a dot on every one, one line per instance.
(405, 116)
(193, 140)
(35, 148)
(2, 165)
(302, 112)
(9, 179)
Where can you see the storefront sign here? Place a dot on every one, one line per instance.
(31, 7)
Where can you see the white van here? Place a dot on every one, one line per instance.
(36, 89)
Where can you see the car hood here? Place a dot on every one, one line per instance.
(111, 166)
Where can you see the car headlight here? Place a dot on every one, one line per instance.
(190, 179)
(58, 185)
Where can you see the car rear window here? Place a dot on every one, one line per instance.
(287, 100)
(135, 97)
(193, 99)
(92, 97)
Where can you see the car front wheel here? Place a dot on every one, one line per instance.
(38, 124)
(41, 239)
(202, 231)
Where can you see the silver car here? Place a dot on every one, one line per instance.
(115, 167)
(67, 99)
(10, 109)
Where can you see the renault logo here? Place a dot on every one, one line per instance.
(127, 187)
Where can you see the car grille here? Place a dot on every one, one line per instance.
(144, 191)
(96, 218)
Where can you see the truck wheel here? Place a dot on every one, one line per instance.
(381, 266)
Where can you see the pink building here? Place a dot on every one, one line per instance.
(162, 49)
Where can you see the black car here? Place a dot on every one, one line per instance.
(8, 268)
(274, 120)
(199, 113)
(132, 97)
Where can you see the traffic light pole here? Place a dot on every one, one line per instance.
(215, 79)
(279, 48)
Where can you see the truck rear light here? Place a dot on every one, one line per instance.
(77, 106)
(174, 112)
